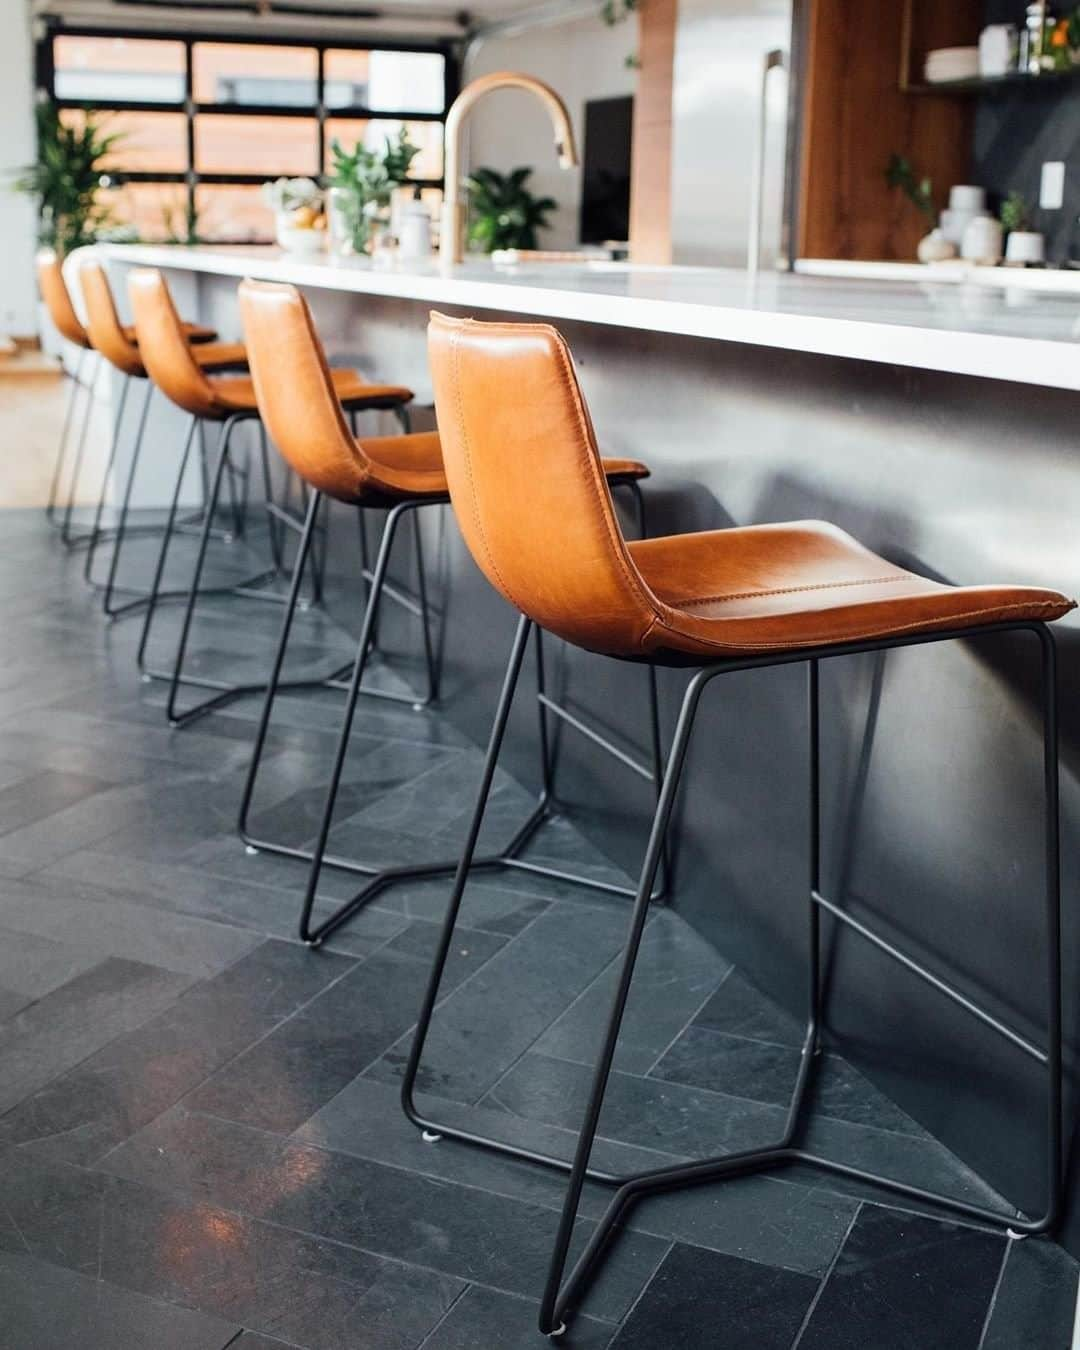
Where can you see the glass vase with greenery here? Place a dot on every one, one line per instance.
(369, 177)
(503, 213)
(66, 176)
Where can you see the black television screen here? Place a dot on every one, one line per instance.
(605, 186)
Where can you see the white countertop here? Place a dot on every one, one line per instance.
(1013, 333)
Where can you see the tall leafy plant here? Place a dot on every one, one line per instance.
(370, 177)
(66, 176)
(503, 213)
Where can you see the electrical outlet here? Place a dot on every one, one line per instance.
(1052, 185)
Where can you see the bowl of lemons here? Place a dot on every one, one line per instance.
(299, 215)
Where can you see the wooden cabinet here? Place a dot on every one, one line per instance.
(855, 115)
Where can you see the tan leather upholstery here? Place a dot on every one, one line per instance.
(528, 491)
(54, 292)
(118, 343)
(300, 400)
(57, 299)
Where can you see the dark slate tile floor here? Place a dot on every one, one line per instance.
(200, 1139)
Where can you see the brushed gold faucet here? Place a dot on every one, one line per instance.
(452, 239)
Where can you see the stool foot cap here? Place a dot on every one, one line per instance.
(430, 1137)
(313, 942)
(560, 1330)
(226, 538)
(250, 850)
(146, 679)
(418, 707)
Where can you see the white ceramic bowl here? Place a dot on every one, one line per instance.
(304, 242)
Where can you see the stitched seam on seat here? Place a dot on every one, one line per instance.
(455, 349)
(887, 632)
(788, 590)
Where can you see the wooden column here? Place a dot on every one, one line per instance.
(650, 176)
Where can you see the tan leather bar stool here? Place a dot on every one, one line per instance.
(225, 400)
(54, 293)
(393, 476)
(716, 602)
(117, 343)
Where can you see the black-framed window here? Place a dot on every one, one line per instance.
(207, 119)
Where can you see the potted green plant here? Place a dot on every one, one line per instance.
(1023, 245)
(503, 213)
(362, 182)
(933, 247)
(66, 177)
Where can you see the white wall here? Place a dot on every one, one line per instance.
(18, 307)
(581, 60)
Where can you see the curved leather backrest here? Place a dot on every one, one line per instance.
(54, 292)
(102, 321)
(527, 484)
(296, 398)
(164, 349)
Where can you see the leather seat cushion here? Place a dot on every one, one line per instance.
(237, 393)
(194, 332)
(806, 584)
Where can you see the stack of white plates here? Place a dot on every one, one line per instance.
(951, 63)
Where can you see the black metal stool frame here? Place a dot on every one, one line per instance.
(383, 877)
(78, 385)
(559, 1298)
(249, 588)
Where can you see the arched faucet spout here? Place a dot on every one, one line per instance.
(452, 242)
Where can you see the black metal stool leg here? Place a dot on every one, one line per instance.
(553, 1304)
(65, 430)
(813, 708)
(307, 932)
(461, 877)
(95, 531)
(166, 540)
(112, 611)
(76, 468)
(275, 671)
(273, 525)
(176, 718)
(425, 619)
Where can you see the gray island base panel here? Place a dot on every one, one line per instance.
(944, 432)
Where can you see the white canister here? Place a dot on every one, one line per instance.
(967, 197)
(414, 233)
(1025, 246)
(997, 49)
(982, 240)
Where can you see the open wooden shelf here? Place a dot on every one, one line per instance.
(983, 84)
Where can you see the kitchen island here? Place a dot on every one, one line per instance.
(936, 423)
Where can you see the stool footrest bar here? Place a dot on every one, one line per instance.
(909, 963)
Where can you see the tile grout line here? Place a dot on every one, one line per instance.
(751, 1101)
(690, 1020)
(825, 1280)
(191, 1198)
(645, 1288)
(357, 962)
(411, 1030)
(501, 1078)
(441, 1320)
(994, 1294)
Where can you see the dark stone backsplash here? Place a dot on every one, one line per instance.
(1017, 130)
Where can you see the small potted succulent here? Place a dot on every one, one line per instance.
(1023, 245)
(299, 220)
